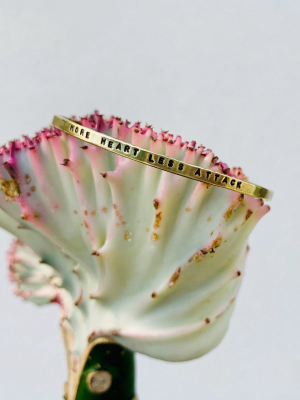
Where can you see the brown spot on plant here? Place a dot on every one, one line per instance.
(155, 204)
(248, 214)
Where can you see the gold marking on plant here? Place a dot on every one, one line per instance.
(217, 242)
(33, 188)
(127, 236)
(154, 237)
(37, 216)
(24, 216)
(229, 211)
(10, 189)
(188, 209)
(175, 277)
(157, 220)
(208, 219)
(105, 210)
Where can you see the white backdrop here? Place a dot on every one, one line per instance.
(225, 73)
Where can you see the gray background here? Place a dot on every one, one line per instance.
(225, 73)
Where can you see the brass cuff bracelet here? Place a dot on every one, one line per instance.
(159, 161)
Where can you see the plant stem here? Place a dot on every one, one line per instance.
(108, 374)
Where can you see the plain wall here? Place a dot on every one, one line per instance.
(225, 73)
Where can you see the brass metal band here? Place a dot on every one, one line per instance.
(159, 161)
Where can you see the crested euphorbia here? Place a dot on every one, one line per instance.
(150, 258)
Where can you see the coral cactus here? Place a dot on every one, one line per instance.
(149, 258)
